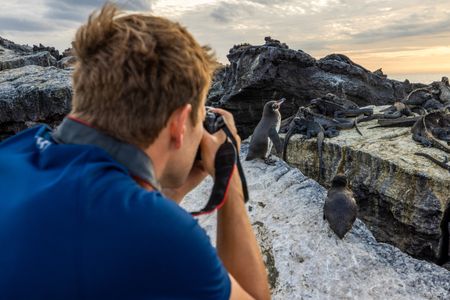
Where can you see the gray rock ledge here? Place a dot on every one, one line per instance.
(305, 260)
(33, 94)
(401, 196)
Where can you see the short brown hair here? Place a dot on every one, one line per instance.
(133, 71)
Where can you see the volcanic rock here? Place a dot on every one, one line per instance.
(53, 52)
(402, 197)
(66, 62)
(305, 259)
(15, 56)
(257, 74)
(33, 94)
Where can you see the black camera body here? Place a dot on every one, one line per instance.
(225, 161)
(213, 122)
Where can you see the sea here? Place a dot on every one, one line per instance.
(425, 78)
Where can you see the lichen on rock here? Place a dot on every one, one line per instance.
(33, 94)
(401, 196)
(309, 261)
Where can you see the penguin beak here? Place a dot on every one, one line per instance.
(279, 102)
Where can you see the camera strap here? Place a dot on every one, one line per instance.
(74, 131)
(225, 163)
(239, 165)
(135, 161)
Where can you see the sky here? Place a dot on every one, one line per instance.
(401, 37)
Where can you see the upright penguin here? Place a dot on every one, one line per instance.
(265, 134)
(340, 207)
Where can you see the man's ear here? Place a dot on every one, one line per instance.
(177, 125)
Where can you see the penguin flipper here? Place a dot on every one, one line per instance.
(273, 135)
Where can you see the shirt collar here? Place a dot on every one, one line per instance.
(138, 163)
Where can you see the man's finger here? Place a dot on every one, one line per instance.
(228, 119)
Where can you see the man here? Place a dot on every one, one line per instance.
(83, 211)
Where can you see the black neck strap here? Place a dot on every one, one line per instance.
(138, 163)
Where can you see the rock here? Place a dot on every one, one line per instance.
(33, 94)
(68, 52)
(7, 44)
(257, 74)
(401, 196)
(443, 90)
(9, 61)
(379, 72)
(16, 56)
(305, 260)
(53, 52)
(66, 62)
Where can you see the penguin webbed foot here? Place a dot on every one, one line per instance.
(269, 161)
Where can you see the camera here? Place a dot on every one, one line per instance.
(213, 122)
(225, 161)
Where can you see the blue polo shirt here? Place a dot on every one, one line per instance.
(75, 225)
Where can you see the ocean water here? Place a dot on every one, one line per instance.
(425, 78)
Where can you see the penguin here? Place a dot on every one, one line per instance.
(265, 134)
(340, 207)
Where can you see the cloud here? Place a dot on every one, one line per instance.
(226, 12)
(414, 25)
(79, 10)
(21, 24)
(319, 27)
(124, 4)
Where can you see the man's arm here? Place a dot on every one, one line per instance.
(196, 176)
(236, 242)
(237, 246)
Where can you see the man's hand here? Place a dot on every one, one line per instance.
(211, 142)
(196, 175)
(209, 145)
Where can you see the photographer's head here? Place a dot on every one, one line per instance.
(143, 79)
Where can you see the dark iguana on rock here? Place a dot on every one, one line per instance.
(443, 164)
(400, 122)
(441, 89)
(395, 111)
(336, 107)
(424, 127)
(309, 128)
(326, 122)
(418, 96)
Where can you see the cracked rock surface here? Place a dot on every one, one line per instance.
(31, 95)
(305, 260)
(259, 73)
(401, 197)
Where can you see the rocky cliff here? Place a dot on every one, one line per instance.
(305, 260)
(402, 197)
(257, 74)
(32, 89)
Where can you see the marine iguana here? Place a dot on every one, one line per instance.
(400, 122)
(442, 90)
(418, 96)
(336, 107)
(423, 130)
(326, 122)
(309, 128)
(443, 164)
(432, 104)
(397, 110)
